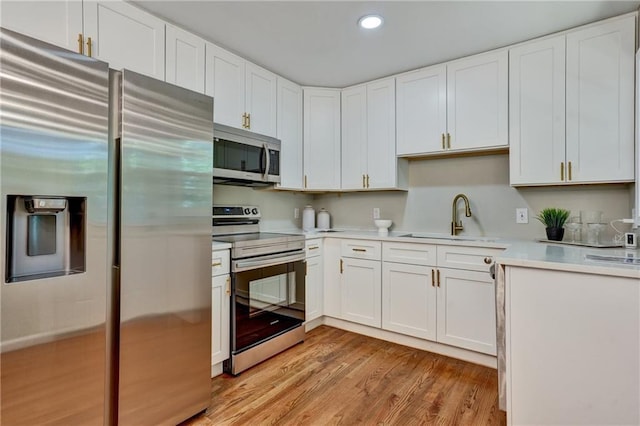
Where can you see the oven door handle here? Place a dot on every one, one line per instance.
(265, 261)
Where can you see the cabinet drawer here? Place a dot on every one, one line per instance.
(220, 262)
(469, 258)
(361, 249)
(313, 248)
(414, 254)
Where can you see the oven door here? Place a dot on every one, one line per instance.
(268, 298)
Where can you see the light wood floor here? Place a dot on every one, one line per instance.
(338, 377)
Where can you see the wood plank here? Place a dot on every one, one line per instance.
(339, 377)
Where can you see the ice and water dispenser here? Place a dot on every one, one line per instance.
(45, 236)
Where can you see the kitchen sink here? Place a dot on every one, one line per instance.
(449, 237)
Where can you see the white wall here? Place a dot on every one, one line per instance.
(276, 207)
(433, 183)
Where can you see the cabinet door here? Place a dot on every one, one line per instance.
(467, 310)
(354, 137)
(361, 291)
(314, 288)
(290, 133)
(600, 102)
(260, 99)
(537, 111)
(409, 300)
(381, 134)
(185, 59)
(55, 22)
(224, 80)
(220, 312)
(321, 138)
(333, 267)
(125, 36)
(477, 101)
(421, 110)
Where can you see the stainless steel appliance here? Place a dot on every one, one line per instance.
(267, 286)
(245, 158)
(105, 181)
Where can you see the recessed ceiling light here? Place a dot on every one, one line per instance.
(370, 22)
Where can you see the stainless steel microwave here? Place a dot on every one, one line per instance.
(244, 158)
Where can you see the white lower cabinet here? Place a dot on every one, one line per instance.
(572, 348)
(314, 289)
(425, 300)
(467, 310)
(361, 291)
(220, 309)
(408, 300)
(220, 305)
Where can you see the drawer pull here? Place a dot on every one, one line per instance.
(488, 260)
(359, 250)
(314, 247)
(216, 264)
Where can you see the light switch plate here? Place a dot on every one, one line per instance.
(376, 213)
(522, 215)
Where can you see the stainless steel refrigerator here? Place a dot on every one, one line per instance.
(105, 302)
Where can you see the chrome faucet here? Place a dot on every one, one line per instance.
(455, 225)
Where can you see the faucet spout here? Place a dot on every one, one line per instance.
(455, 224)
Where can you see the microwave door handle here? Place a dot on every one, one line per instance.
(267, 161)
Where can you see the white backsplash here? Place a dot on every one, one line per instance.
(426, 206)
(433, 183)
(276, 207)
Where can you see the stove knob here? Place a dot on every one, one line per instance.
(247, 210)
(254, 210)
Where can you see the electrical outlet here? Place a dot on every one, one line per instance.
(376, 213)
(296, 213)
(522, 215)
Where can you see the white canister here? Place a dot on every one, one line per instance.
(324, 219)
(308, 218)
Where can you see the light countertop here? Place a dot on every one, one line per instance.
(538, 255)
(518, 252)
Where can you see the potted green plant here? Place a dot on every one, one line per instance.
(553, 220)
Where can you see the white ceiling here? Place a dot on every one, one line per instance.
(318, 43)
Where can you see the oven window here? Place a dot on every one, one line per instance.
(267, 302)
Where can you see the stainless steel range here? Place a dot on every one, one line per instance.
(267, 286)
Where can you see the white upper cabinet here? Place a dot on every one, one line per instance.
(260, 100)
(572, 105)
(382, 171)
(455, 107)
(125, 37)
(354, 137)
(224, 80)
(321, 108)
(421, 106)
(477, 111)
(244, 93)
(55, 22)
(112, 31)
(368, 137)
(289, 119)
(184, 59)
(537, 111)
(600, 102)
